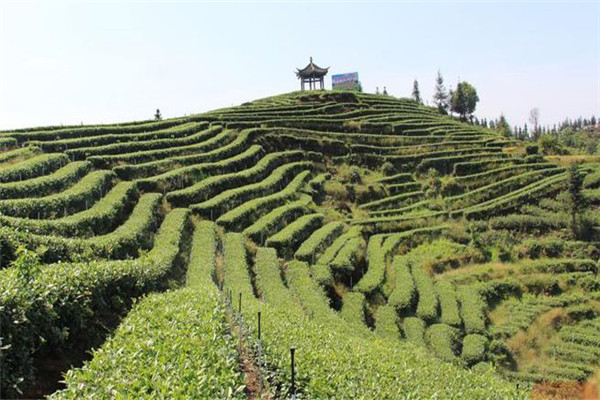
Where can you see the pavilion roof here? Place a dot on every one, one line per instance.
(311, 71)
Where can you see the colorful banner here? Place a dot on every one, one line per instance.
(347, 81)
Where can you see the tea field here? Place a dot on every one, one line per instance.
(403, 254)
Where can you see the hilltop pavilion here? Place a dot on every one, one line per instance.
(311, 74)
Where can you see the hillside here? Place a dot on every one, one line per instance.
(404, 254)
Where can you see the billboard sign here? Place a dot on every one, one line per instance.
(345, 81)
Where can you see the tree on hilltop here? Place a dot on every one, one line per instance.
(157, 115)
(503, 127)
(440, 95)
(416, 93)
(464, 100)
(534, 118)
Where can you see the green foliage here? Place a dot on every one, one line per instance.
(64, 300)
(170, 170)
(592, 180)
(501, 187)
(187, 331)
(414, 330)
(387, 168)
(443, 340)
(474, 347)
(234, 197)
(575, 187)
(503, 128)
(212, 186)
(287, 239)
(175, 132)
(532, 149)
(276, 219)
(103, 217)
(222, 163)
(355, 175)
(386, 325)
(205, 140)
(79, 131)
(548, 143)
(440, 95)
(135, 234)
(22, 153)
(246, 213)
(47, 184)
(404, 292)
(376, 259)
(26, 265)
(472, 309)
(76, 198)
(464, 100)
(33, 167)
(353, 311)
(448, 304)
(318, 241)
(203, 261)
(349, 255)
(427, 306)
(433, 184)
(416, 93)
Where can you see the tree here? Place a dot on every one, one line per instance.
(534, 118)
(464, 100)
(549, 144)
(503, 127)
(440, 96)
(576, 196)
(416, 93)
(157, 115)
(433, 183)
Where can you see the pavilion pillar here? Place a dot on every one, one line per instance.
(312, 75)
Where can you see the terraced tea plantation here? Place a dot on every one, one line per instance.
(402, 253)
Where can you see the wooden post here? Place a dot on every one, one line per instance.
(293, 389)
(259, 325)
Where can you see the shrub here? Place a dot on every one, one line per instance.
(472, 309)
(287, 239)
(474, 348)
(386, 322)
(448, 303)
(387, 168)
(414, 330)
(318, 241)
(427, 306)
(443, 340)
(355, 175)
(66, 301)
(376, 259)
(404, 292)
(532, 149)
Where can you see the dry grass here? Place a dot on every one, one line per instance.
(491, 270)
(527, 345)
(336, 190)
(567, 160)
(559, 391)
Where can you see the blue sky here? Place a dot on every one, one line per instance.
(98, 62)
